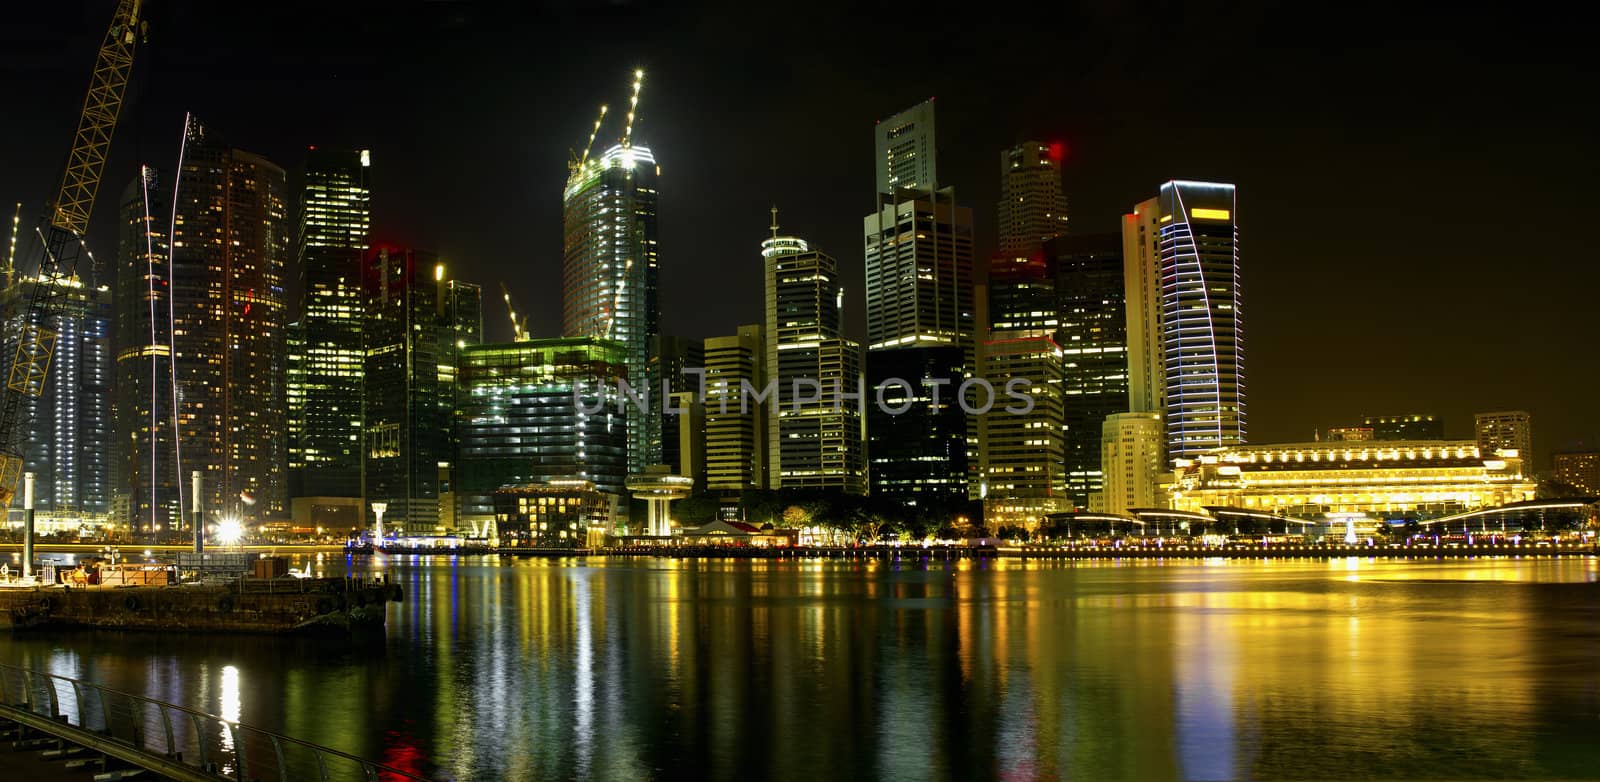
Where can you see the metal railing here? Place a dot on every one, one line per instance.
(214, 747)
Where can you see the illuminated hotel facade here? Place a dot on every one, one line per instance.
(1185, 328)
(610, 270)
(1416, 479)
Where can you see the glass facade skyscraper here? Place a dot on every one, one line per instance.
(416, 326)
(325, 406)
(811, 444)
(610, 270)
(69, 437)
(1185, 325)
(1092, 333)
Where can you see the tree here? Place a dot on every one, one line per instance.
(761, 506)
(795, 516)
(697, 509)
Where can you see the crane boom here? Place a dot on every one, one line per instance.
(519, 328)
(65, 226)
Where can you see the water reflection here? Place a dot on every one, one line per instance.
(630, 669)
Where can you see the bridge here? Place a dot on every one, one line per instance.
(80, 724)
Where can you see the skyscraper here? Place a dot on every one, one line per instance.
(735, 433)
(1184, 304)
(1092, 334)
(146, 466)
(610, 270)
(905, 150)
(1032, 206)
(917, 445)
(229, 247)
(920, 288)
(1506, 430)
(415, 327)
(811, 443)
(919, 271)
(325, 410)
(1023, 453)
(69, 437)
(669, 357)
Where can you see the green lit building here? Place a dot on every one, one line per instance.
(610, 270)
(538, 411)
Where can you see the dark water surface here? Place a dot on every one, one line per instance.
(626, 669)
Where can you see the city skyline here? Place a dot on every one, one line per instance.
(1285, 169)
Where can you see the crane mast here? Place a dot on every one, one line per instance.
(64, 228)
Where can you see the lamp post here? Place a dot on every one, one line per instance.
(198, 514)
(378, 508)
(27, 525)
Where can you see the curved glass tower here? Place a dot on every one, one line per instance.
(1202, 334)
(609, 273)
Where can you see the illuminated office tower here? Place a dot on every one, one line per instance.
(1182, 280)
(1506, 430)
(917, 446)
(735, 434)
(417, 325)
(1022, 460)
(1032, 207)
(609, 275)
(811, 444)
(1092, 334)
(69, 437)
(327, 366)
(919, 272)
(669, 357)
(230, 245)
(519, 422)
(1131, 445)
(905, 150)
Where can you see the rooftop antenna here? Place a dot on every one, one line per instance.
(633, 107)
(774, 221)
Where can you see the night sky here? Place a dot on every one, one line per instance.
(1411, 183)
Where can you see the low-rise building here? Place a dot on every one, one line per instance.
(1412, 479)
(554, 514)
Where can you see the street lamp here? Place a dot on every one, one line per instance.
(230, 530)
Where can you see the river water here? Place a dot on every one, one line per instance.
(628, 669)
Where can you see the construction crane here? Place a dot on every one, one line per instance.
(519, 328)
(63, 229)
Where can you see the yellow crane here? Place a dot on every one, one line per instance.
(519, 327)
(64, 226)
